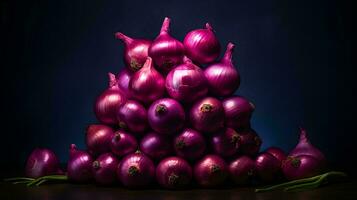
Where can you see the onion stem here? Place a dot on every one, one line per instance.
(43, 179)
(18, 179)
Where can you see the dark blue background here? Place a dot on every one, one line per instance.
(294, 58)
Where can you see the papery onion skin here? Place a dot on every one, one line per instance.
(98, 138)
(156, 145)
(249, 142)
(222, 77)
(268, 167)
(238, 111)
(190, 144)
(165, 50)
(79, 165)
(132, 116)
(123, 80)
(123, 143)
(226, 142)
(108, 102)
(207, 115)
(242, 170)
(277, 153)
(136, 51)
(202, 45)
(166, 116)
(302, 166)
(136, 170)
(210, 171)
(104, 169)
(186, 82)
(147, 84)
(173, 173)
(42, 162)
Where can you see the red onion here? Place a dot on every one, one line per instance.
(165, 50)
(136, 170)
(210, 171)
(207, 115)
(302, 166)
(132, 116)
(79, 166)
(135, 51)
(242, 169)
(190, 144)
(186, 82)
(304, 147)
(42, 162)
(277, 153)
(147, 84)
(173, 173)
(109, 102)
(249, 142)
(202, 45)
(268, 167)
(123, 79)
(226, 142)
(238, 111)
(123, 143)
(155, 145)
(222, 77)
(98, 138)
(104, 169)
(166, 116)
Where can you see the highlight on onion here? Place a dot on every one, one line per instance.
(136, 170)
(186, 82)
(166, 116)
(123, 143)
(210, 171)
(132, 116)
(155, 145)
(173, 173)
(108, 102)
(104, 169)
(123, 79)
(242, 170)
(202, 45)
(190, 144)
(98, 138)
(147, 84)
(268, 167)
(225, 142)
(165, 50)
(79, 165)
(222, 77)
(135, 51)
(207, 115)
(277, 153)
(249, 142)
(302, 166)
(238, 111)
(42, 162)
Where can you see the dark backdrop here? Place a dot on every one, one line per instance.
(294, 58)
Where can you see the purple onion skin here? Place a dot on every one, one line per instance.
(241, 170)
(268, 167)
(302, 166)
(136, 170)
(207, 115)
(166, 116)
(98, 138)
(136, 51)
(147, 84)
(190, 144)
(108, 102)
(222, 77)
(123, 143)
(225, 143)
(210, 171)
(186, 82)
(202, 45)
(155, 145)
(173, 173)
(165, 50)
(42, 162)
(104, 169)
(123, 80)
(79, 166)
(132, 116)
(277, 153)
(249, 142)
(238, 112)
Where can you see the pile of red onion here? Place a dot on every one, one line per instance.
(170, 117)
